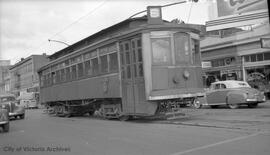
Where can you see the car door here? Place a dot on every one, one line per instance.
(211, 95)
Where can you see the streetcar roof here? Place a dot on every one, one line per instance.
(70, 49)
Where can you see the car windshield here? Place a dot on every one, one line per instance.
(7, 98)
(239, 85)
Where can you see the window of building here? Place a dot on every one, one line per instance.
(253, 58)
(267, 56)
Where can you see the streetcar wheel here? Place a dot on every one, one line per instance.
(254, 105)
(213, 106)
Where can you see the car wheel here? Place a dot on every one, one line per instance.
(254, 105)
(196, 104)
(233, 106)
(6, 127)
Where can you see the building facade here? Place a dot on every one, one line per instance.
(23, 75)
(4, 76)
(232, 48)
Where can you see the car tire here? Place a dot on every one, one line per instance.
(233, 106)
(6, 127)
(253, 105)
(196, 104)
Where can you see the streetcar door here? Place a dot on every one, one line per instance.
(128, 100)
(133, 92)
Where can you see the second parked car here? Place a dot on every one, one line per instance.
(233, 94)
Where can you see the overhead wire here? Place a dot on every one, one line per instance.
(71, 24)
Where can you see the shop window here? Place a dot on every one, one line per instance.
(247, 58)
(253, 58)
(80, 70)
(113, 62)
(88, 70)
(267, 56)
(161, 51)
(260, 57)
(95, 66)
(104, 64)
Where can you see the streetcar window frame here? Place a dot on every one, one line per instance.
(158, 54)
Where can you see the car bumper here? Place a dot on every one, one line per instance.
(262, 99)
(11, 114)
(3, 122)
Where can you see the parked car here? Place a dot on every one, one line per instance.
(233, 94)
(8, 102)
(4, 120)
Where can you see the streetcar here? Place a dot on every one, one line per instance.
(140, 67)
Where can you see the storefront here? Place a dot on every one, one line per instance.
(257, 71)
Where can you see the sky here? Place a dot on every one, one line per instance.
(26, 25)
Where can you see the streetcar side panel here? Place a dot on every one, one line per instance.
(89, 88)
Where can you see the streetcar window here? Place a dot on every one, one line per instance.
(63, 75)
(182, 48)
(104, 64)
(161, 50)
(140, 70)
(95, 66)
(139, 55)
(68, 76)
(127, 58)
(195, 55)
(73, 72)
(80, 70)
(113, 62)
(88, 70)
(53, 78)
(128, 72)
(58, 76)
(41, 80)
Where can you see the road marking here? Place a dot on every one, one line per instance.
(218, 143)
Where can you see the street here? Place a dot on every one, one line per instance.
(207, 131)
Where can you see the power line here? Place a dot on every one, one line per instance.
(189, 12)
(71, 24)
(92, 11)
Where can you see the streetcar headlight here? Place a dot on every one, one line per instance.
(186, 74)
